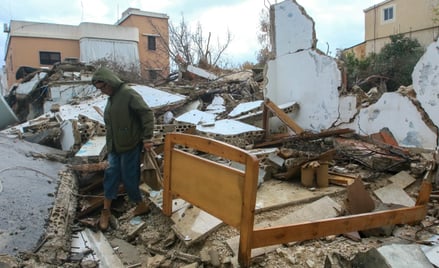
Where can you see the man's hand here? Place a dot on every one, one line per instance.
(147, 145)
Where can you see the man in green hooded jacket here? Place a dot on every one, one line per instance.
(129, 126)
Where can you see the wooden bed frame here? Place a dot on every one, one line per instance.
(230, 195)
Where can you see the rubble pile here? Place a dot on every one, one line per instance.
(231, 111)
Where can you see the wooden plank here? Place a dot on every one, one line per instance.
(248, 208)
(167, 194)
(340, 180)
(425, 190)
(283, 116)
(335, 226)
(213, 187)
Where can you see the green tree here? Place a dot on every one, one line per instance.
(356, 68)
(391, 68)
(397, 60)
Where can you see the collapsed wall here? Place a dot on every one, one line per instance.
(299, 73)
(425, 78)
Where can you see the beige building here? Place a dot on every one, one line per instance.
(138, 40)
(413, 18)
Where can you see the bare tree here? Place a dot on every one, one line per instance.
(187, 47)
(180, 45)
(264, 53)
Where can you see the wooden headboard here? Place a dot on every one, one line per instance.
(230, 195)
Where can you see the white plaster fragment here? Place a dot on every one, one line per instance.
(196, 117)
(27, 87)
(156, 98)
(347, 109)
(310, 79)
(217, 105)
(67, 138)
(246, 107)
(64, 93)
(425, 78)
(202, 73)
(228, 127)
(293, 28)
(400, 116)
(93, 147)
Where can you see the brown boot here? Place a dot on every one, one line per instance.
(142, 208)
(105, 219)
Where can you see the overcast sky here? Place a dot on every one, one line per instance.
(338, 23)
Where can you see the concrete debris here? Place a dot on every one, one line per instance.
(8, 117)
(392, 256)
(367, 151)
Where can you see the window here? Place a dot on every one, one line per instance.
(151, 42)
(388, 13)
(49, 58)
(153, 75)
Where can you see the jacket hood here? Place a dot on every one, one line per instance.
(104, 74)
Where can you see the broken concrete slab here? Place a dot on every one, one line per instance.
(407, 124)
(196, 117)
(425, 81)
(127, 253)
(432, 251)
(28, 86)
(193, 224)
(25, 210)
(217, 106)
(94, 150)
(229, 127)
(69, 135)
(85, 108)
(7, 116)
(293, 29)
(402, 179)
(323, 208)
(394, 194)
(62, 93)
(244, 108)
(101, 248)
(201, 72)
(392, 256)
(157, 99)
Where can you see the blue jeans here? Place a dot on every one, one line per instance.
(125, 168)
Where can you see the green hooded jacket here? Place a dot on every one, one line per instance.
(128, 119)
